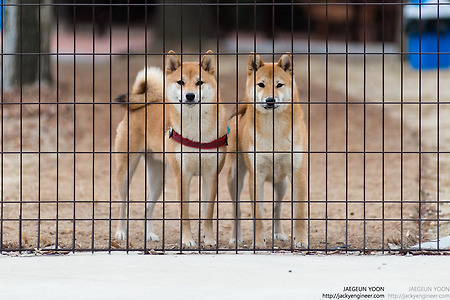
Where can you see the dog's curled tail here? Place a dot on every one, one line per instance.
(239, 111)
(147, 88)
(154, 81)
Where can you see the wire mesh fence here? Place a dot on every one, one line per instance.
(121, 131)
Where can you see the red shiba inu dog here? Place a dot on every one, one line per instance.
(269, 122)
(187, 121)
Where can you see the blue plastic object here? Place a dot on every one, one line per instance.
(427, 24)
(1, 13)
(426, 48)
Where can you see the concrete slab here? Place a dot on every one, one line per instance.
(133, 276)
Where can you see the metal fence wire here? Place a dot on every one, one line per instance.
(225, 126)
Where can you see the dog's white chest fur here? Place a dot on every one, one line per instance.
(276, 155)
(199, 124)
(192, 161)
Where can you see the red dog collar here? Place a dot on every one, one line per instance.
(186, 142)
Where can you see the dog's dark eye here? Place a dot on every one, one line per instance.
(200, 82)
(279, 85)
(261, 85)
(180, 82)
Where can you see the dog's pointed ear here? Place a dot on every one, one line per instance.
(172, 62)
(286, 63)
(254, 63)
(208, 62)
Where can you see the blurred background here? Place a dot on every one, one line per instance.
(331, 20)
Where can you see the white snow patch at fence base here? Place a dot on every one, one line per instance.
(441, 244)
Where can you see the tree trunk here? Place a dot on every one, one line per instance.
(27, 30)
(186, 27)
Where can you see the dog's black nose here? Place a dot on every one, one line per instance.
(270, 101)
(190, 96)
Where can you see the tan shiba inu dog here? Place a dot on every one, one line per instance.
(180, 127)
(269, 124)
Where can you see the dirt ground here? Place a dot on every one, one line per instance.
(419, 99)
(359, 199)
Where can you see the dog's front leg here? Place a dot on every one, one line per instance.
(257, 207)
(183, 184)
(280, 192)
(236, 176)
(209, 197)
(300, 222)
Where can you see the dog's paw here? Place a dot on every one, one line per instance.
(301, 244)
(209, 241)
(121, 235)
(260, 244)
(188, 242)
(151, 236)
(232, 241)
(281, 237)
